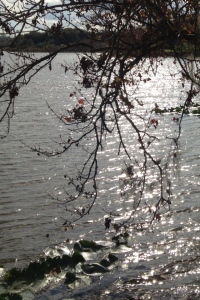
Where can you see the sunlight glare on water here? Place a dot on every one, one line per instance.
(164, 254)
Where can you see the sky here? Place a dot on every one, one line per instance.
(49, 19)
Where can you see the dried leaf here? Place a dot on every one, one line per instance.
(68, 119)
(81, 101)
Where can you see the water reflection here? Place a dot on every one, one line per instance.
(27, 214)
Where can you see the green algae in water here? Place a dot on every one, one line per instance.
(91, 245)
(70, 277)
(94, 269)
(54, 268)
(10, 296)
(77, 258)
(111, 259)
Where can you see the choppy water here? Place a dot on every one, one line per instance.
(27, 213)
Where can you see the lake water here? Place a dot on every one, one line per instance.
(28, 214)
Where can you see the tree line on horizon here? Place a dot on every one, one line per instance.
(35, 41)
(46, 40)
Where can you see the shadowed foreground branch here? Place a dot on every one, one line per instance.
(124, 44)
